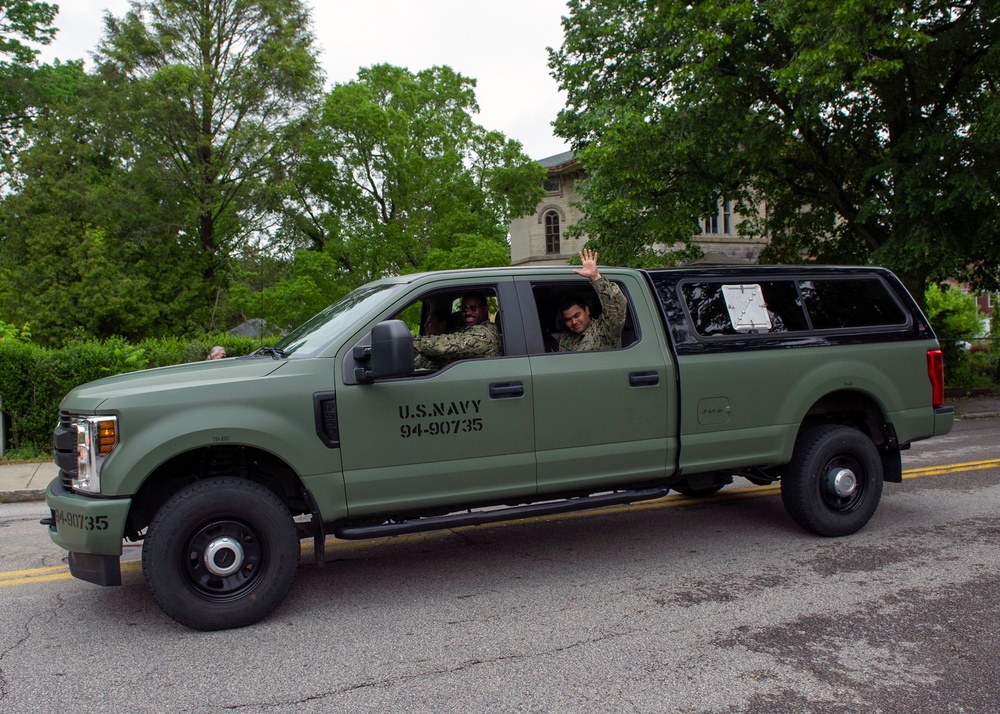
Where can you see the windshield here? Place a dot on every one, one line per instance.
(313, 335)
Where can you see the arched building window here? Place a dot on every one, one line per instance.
(551, 232)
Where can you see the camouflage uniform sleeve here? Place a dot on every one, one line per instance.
(421, 362)
(480, 340)
(613, 305)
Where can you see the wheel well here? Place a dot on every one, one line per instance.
(853, 409)
(209, 462)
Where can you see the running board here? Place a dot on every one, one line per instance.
(478, 518)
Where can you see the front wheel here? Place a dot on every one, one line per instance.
(220, 553)
(833, 483)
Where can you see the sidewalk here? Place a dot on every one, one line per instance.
(27, 482)
(975, 407)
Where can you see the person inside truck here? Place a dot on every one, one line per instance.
(437, 323)
(584, 332)
(477, 337)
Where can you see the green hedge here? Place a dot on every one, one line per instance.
(976, 367)
(33, 379)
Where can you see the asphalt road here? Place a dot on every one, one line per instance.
(720, 606)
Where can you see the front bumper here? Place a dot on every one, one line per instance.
(96, 569)
(85, 524)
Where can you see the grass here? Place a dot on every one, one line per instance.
(26, 455)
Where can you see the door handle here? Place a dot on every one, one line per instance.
(506, 390)
(643, 379)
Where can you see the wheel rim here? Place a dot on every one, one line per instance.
(843, 484)
(224, 559)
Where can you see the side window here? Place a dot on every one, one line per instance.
(721, 308)
(441, 312)
(574, 308)
(412, 317)
(852, 302)
(454, 324)
(855, 302)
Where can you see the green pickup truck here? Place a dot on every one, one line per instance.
(814, 377)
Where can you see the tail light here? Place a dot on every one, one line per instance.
(935, 371)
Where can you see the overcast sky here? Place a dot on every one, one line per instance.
(499, 44)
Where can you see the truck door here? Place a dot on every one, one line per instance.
(455, 436)
(600, 417)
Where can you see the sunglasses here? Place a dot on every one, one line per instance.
(472, 308)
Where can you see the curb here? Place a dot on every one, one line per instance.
(978, 415)
(22, 496)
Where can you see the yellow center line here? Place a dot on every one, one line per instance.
(61, 572)
(15, 574)
(951, 468)
(51, 573)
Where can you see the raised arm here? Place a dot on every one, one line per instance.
(613, 302)
(588, 265)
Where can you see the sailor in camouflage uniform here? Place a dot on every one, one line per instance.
(478, 338)
(600, 333)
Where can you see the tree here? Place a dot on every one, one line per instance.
(303, 289)
(953, 313)
(396, 168)
(204, 95)
(86, 245)
(24, 20)
(867, 130)
(21, 22)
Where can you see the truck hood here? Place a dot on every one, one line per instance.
(89, 397)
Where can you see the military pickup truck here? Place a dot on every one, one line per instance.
(814, 377)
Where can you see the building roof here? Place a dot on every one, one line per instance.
(560, 162)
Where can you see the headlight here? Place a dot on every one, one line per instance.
(96, 436)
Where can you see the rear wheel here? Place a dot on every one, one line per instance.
(220, 553)
(833, 483)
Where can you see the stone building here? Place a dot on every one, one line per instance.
(540, 238)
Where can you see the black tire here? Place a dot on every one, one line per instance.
(833, 483)
(220, 553)
(699, 492)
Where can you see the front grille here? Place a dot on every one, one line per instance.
(64, 441)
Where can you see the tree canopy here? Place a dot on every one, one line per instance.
(395, 177)
(87, 244)
(396, 170)
(23, 24)
(197, 175)
(24, 21)
(857, 131)
(131, 199)
(206, 95)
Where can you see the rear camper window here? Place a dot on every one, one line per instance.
(779, 306)
(730, 308)
(856, 302)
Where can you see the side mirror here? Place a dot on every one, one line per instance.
(391, 351)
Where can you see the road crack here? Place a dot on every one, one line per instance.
(49, 615)
(458, 667)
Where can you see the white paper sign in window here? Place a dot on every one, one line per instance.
(746, 306)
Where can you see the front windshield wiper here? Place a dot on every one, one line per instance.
(272, 352)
